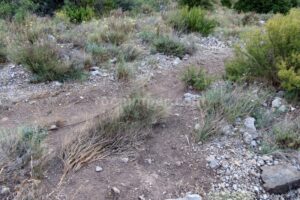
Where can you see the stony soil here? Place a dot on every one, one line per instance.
(165, 166)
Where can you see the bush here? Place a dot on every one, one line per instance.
(10, 9)
(123, 71)
(193, 3)
(79, 14)
(43, 60)
(272, 54)
(197, 79)
(169, 46)
(102, 53)
(263, 6)
(226, 3)
(192, 20)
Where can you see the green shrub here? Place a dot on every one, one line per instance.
(102, 53)
(192, 20)
(271, 54)
(43, 60)
(194, 3)
(226, 3)
(263, 6)
(198, 79)
(287, 134)
(169, 46)
(79, 14)
(18, 9)
(123, 71)
(129, 53)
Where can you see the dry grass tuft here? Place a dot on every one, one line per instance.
(113, 134)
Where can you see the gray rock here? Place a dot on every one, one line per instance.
(191, 97)
(197, 127)
(115, 192)
(95, 73)
(277, 102)
(247, 137)
(250, 124)
(282, 108)
(280, 179)
(189, 197)
(213, 162)
(227, 130)
(99, 169)
(53, 128)
(5, 190)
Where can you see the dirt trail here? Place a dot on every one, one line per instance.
(165, 166)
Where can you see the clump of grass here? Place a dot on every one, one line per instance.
(169, 46)
(21, 151)
(44, 61)
(114, 134)
(117, 31)
(130, 53)
(225, 104)
(197, 79)
(192, 20)
(243, 195)
(103, 52)
(287, 134)
(123, 71)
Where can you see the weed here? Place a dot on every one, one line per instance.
(114, 134)
(198, 79)
(287, 134)
(225, 104)
(130, 53)
(169, 46)
(22, 155)
(192, 20)
(123, 71)
(43, 60)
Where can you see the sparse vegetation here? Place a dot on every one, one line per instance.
(123, 71)
(192, 20)
(43, 60)
(22, 155)
(270, 54)
(287, 134)
(169, 46)
(225, 104)
(197, 79)
(114, 134)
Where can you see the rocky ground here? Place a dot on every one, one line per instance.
(169, 165)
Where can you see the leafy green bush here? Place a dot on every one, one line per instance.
(192, 20)
(44, 61)
(16, 9)
(169, 46)
(79, 14)
(194, 3)
(198, 79)
(272, 54)
(263, 6)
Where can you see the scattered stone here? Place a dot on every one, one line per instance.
(188, 97)
(280, 179)
(282, 108)
(213, 162)
(125, 160)
(57, 83)
(189, 197)
(115, 192)
(250, 124)
(142, 197)
(5, 190)
(4, 119)
(227, 130)
(197, 127)
(99, 169)
(53, 127)
(95, 73)
(176, 61)
(277, 102)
